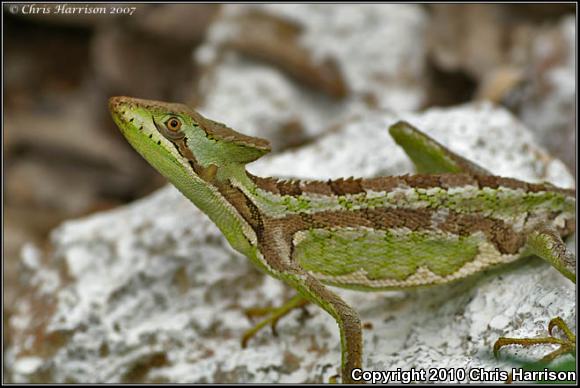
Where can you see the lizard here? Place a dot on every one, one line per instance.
(450, 220)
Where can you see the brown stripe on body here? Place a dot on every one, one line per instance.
(383, 219)
(289, 187)
(346, 186)
(497, 231)
(342, 187)
(495, 182)
(267, 184)
(506, 240)
(316, 187)
(386, 183)
(423, 181)
(338, 187)
(538, 187)
(243, 205)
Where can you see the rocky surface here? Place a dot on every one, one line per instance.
(151, 292)
(287, 72)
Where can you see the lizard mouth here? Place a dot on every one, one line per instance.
(117, 105)
(155, 124)
(118, 108)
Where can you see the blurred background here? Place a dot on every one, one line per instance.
(283, 72)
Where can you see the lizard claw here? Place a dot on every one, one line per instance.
(560, 324)
(567, 344)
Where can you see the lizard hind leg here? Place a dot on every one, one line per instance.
(311, 290)
(275, 314)
(545, 242)
(429, 156)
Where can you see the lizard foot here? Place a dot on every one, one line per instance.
(567, 343)
(275, 314)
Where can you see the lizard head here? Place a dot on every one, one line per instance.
(174, 133)
(198, 156)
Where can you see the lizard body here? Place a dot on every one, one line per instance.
(451, 220)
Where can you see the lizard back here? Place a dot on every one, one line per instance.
(404, 231)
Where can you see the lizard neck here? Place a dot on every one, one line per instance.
(210, 191)
(236, 187)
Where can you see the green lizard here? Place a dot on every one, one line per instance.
(451, 220)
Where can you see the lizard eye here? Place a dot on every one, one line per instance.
(173, 124)
(171, 128)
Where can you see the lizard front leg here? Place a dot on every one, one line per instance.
(277, 248)
(546, 243)
(346, 317)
